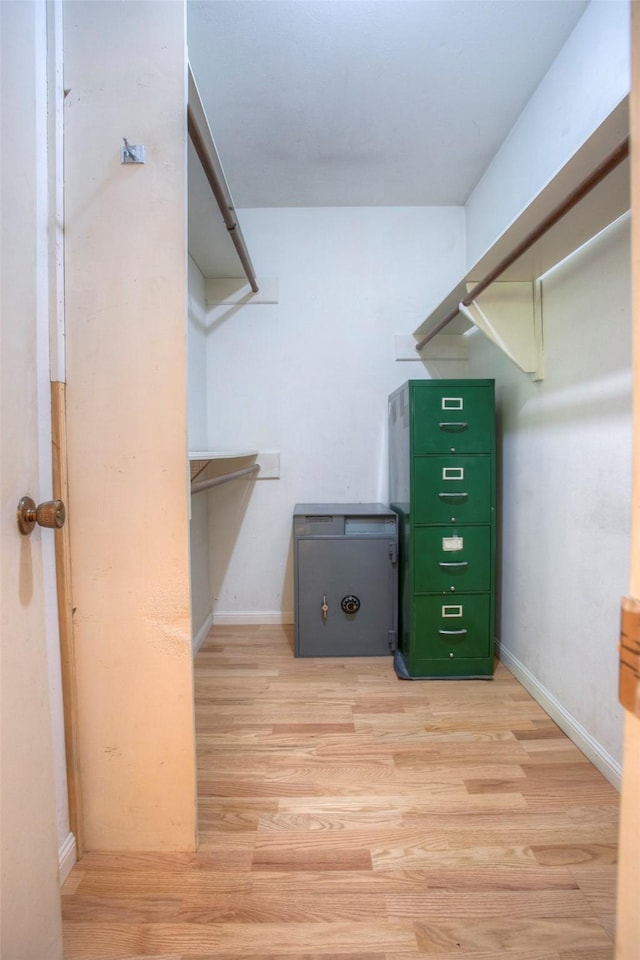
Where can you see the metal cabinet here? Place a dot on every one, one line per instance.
(345, 579)
(442, 488)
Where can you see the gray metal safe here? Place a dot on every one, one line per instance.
(345, 579)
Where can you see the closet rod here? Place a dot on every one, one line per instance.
(609, 164)
(202, 139)
(224, 478)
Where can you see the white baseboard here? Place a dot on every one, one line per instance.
(67, 857)
(245, 619)
(593, 750)
(201, 635)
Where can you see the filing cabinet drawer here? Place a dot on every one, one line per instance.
(453, 419)
(452, 489)
(450, 559)
(452, 629)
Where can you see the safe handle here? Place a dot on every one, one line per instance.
(324, 608)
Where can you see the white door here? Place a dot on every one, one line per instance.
(31, 924)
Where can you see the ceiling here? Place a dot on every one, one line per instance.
(367, 102)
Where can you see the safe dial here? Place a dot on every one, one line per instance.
(350, 604)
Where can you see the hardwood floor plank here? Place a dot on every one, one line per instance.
(308, 857)
(162, 956)
(233, 814)
(346, 814)
(130, 909)
(416, 882)
(568, 855)
(464, 904)
(305, 907)
(454, 952)
(598, 884)
(499, 879)
(313, 729)
(242, 955)
(114, 940)
(151, 884)
(340, 819)
(462, 805)
(586, 953)
(507, 936)
(422, 857)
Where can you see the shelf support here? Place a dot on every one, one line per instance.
(524, 249)
(510, 314)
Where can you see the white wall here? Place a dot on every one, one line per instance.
(566, 494)
(201, 602)
(309, 376)
(590, 77)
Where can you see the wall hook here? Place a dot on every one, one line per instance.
(131, 152)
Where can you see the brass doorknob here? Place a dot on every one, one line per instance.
(51, 513)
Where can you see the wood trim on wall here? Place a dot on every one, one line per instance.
(65, 614)
(628, 915)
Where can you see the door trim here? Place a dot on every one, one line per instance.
(65, 613)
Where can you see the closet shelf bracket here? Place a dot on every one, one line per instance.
(584, 197)
(509, 313)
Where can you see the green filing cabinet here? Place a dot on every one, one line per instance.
(442, 483)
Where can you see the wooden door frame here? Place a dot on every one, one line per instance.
(65, 615)
(60, 477)
(627, 913)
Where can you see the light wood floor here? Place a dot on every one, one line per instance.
(349, 815)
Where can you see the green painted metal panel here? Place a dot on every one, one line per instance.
(451, 417)
(452, 559)
(469, 668)
(405, 584)
(450, 628)
(452, 489)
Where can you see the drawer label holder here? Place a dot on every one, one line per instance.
(452, 544)
(451, 610)
(453, 473)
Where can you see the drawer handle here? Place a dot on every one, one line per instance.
(452, 633)
(453, 496)
(458, 565)
(454, 426)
